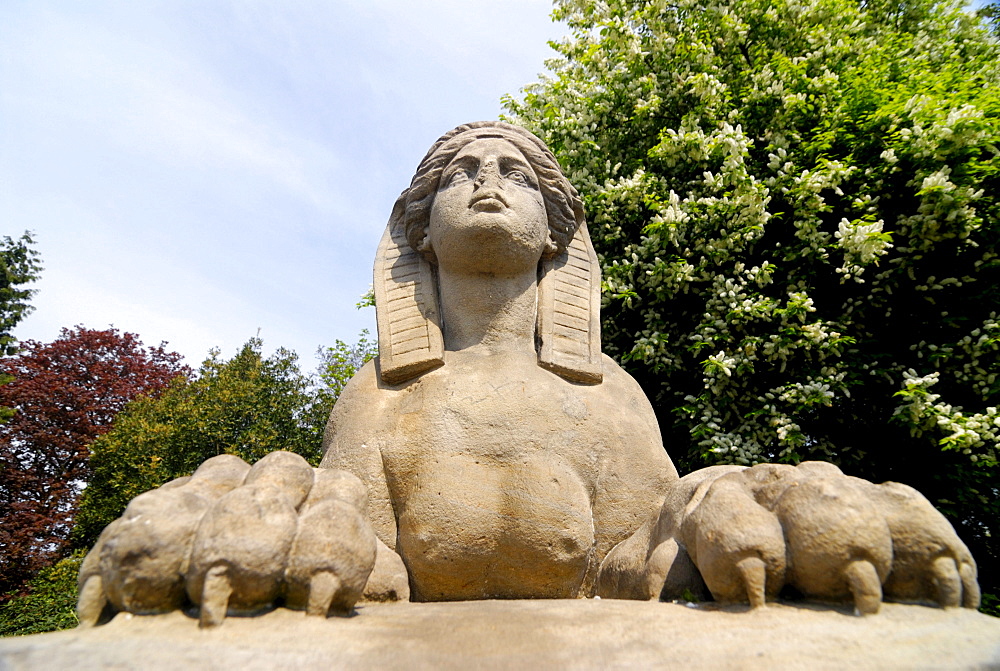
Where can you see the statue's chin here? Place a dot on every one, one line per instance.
(489, 243)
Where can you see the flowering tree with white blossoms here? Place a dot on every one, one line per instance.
(795, 203)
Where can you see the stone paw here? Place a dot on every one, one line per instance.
(830, 537)
(139, 561)
(234, 539)
(736, 543)
(334, 549)
(930, 563)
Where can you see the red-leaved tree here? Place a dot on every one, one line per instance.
(64, 394)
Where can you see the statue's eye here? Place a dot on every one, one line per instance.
(458, 177)
(518, 177)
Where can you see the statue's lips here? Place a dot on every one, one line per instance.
(488, 204)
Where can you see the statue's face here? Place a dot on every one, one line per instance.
(488, 214)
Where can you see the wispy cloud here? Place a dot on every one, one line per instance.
(195, 171)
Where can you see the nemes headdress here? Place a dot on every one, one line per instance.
(569, 286)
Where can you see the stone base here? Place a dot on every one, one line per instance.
(579, 634)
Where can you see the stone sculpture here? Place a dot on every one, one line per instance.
(140, 560)
(242, 543)
(231, 539)
(334, 548)
(505, 457)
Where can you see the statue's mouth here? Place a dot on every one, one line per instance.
(488, 202)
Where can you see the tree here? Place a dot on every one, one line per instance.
(796, 209)
(247, 406)
(991, 14)
(65, 394)
(337, 366)
(19, 265)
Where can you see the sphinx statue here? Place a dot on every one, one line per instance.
(503, 456)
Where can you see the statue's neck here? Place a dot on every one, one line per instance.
(489, 312)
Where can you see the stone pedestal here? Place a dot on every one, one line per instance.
(576, 634)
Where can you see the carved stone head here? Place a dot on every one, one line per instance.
(562, 203)
(568, 320)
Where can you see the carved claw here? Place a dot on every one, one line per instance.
(947, 582)
(736, 544)
(930, 563)
(970, 585)
(323, 589)
(839, 545)
(754, 574)
(215, 597)
(865, 586)
(334, 549)
(91, 602)
(830, 536)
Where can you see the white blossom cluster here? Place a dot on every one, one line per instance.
(976, 435)
(787, 197)
(862, 243)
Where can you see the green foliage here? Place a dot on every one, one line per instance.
(66, 394)
(796, 209)
(339, 363)
(247, 406)
(367, 299)
(990, 605)
(19, 265)
(991, 14)
(688, 596)
(50, 603)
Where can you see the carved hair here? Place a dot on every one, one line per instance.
(563, 206)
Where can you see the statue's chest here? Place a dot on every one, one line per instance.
(487, 473)
(501, 415)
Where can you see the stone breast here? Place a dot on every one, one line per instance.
(492, 479)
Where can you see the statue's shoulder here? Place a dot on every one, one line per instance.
(368, 401)
(362, 417)
(369, 404)
(367, 376)
(616, 376)
(363, 397)
(619, 390)
(367, 392)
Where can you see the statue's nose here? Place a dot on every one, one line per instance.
(489, 174)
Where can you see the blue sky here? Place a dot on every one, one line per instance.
(197, 170)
